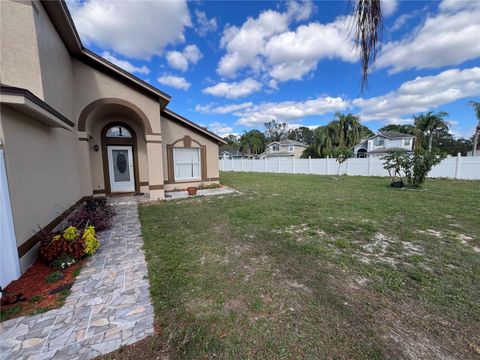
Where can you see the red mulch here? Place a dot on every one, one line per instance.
(32, 283)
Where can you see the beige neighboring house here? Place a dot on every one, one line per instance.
(74, 125)
(284, 149)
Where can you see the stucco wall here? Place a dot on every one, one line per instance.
(20, 63)
(171, 132)
(42, 171)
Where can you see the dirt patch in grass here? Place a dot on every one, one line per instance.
(406, 329)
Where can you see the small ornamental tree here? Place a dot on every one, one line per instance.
(419, 165)
(394, 163)
(342, 153)
(415, 167)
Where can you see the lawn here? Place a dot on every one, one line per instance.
(312, 267)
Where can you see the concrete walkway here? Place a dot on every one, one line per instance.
(109, 305)
(174, 195)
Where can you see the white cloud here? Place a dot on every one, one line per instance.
(266, 46)
(137, 29)
(180, 60)
(290, 110)
(447, 38)
(176, 82)
(293, 54)
(125, 65)
(234, 90)
(204, 24)
(221, 129)
(389, 7)
(421, 94)
(224, 109)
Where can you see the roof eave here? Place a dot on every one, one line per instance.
(63, 22)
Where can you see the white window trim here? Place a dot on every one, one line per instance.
(273, 147)
(199, 165)
(291, 148)
(409, 140)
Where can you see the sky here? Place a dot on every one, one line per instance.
(233, 65)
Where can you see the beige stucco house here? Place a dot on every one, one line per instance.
(72, 124)
(284, 149)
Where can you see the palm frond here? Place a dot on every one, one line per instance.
(368, 25)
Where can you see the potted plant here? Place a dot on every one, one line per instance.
(192, 190)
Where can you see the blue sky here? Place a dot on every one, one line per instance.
(231, 65)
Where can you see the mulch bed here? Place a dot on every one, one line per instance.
(36, 294)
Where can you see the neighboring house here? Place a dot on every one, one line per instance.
(73, 125)
(228, 153)
(384, 143)
(284, 149)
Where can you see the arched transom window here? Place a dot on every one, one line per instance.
(118, 131)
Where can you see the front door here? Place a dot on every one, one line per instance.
(120, 166)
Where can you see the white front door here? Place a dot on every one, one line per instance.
(120, 166)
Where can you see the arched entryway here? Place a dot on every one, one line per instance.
(362, 153)
(120, 159)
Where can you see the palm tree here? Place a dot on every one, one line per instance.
(429, 124)
(476, 108)
(368, 27)
(252, 142)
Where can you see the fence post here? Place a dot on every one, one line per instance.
(241, 165)
(457, 165)
(346, 166)
(278, 167)
(233, 168)
(327, 166)
(309, 166)
(369, 166)
(293, 165)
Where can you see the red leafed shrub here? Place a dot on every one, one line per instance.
(95, 212)
(77, 249)
(51, 249)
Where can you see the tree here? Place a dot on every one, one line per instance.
(275, 131)
(342, 153)
(232, 141)
(430, 124)
(404, 129)
(302, 134)
(476, 109)
(368, 26)
(252, 142)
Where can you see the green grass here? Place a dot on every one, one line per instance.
(54, 277)
(311, 267)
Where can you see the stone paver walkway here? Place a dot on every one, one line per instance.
(109, 305)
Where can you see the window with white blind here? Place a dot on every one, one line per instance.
(186, 163)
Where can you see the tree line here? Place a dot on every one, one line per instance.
(339, 136)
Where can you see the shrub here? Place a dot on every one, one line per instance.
(91, 242)
(61, 251)
(63, 261)
(415, 167)
(95, 212)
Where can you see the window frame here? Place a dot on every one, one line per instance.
(198, 150)
(291, 148)
(275, 148)
(376, 142)
(407, 142)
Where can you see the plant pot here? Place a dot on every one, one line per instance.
(192, 190)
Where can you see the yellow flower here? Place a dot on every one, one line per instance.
(56, 237)
(70, 233)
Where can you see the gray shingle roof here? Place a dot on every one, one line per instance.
(288, 142)
(395, 135)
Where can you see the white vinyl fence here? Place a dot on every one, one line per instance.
(455, 167)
